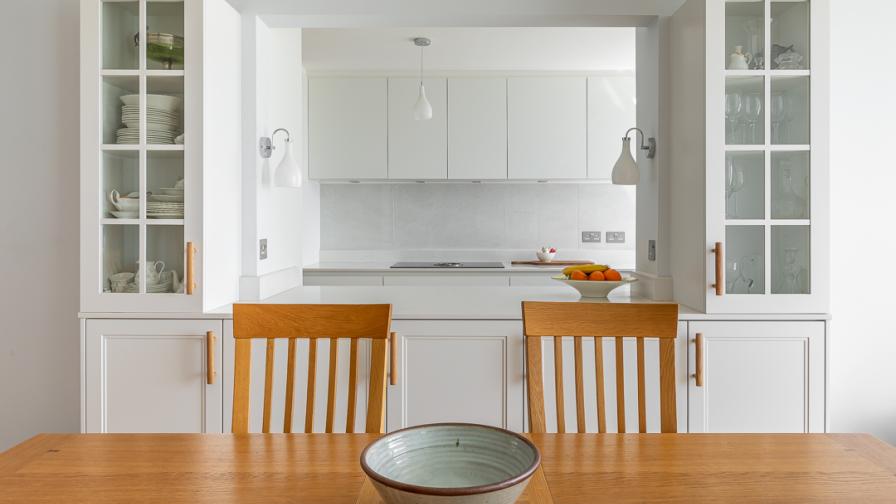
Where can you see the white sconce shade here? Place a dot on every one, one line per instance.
(625, 171)
(422, 108)
(288, 173)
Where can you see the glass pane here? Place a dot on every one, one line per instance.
(120, 25)
(745, 260)
(790, 35)
(744, 185)
(790, 110)
(120, 110)
(121, 245)
(165, 35)
(790, 185)
(790, 260)
(744, 106)
(164, 258)
(121, 183)
(165, 182)
(744, 35)
(164, 109)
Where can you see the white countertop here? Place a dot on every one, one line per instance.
(384, 267)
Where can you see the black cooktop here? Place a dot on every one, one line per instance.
(458, 265)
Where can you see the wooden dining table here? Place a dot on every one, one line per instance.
(575, 468)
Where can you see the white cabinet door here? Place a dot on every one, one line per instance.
(151, 376)
(477, 128)
(417, 149)
(611, 111)
(758, 377)
(546, 127)
(464, 371)
(347, 128)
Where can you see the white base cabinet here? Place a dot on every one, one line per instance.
(151, 376)
(758, 377)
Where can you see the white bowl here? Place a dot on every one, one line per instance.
(545, 256)
(595, 288)
(450, 463)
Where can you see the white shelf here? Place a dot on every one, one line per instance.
(164, 222)
(764, 73)
(120, 147)
(111, 221)
(164, 147)
(770, 147)
(767, 222)
(119, 73)
(164, 73)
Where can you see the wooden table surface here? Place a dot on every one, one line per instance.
(287, 468)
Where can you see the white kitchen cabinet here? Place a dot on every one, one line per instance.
(766, 376)
(611, 112)
(151, 376)
(182, 194)
(347, 128)
(477, 128)
(417, 149)
(481, 279)
(546, 127)
(458, 371)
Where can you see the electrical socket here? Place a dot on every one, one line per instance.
(590, 236)
(263, 249)
(651, 250)
(615, 236)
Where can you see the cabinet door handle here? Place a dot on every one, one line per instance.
(698, 359)
(190, 282)
(393, 359)
(210, 357)
(720, 281)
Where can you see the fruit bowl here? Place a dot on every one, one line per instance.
(594, 288)
(450, 463)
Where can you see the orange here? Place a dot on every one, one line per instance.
(612, 275)
(578, 275)
(596, 275)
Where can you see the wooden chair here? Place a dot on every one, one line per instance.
(597, 321)
(312, 322)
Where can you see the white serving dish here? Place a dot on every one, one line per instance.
(450, 463)
(594, 288)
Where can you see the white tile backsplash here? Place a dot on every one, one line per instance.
(448, 216)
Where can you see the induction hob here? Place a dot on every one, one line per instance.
(457, 265)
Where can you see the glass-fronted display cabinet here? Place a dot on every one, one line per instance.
(766, 161)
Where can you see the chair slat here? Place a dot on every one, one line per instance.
(376, 392)
(580, 386)
(331, 385)
(668, 416)
(535, 384)
(242, 367)
(558, 384)
(642, 399)
(268, 385)
(309, 393)
(352, 385)
(290, 385)
(599, 384)
(620, 387)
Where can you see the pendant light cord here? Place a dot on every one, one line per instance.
(420, 74)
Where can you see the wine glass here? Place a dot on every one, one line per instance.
(790, 281)
(733, 108)
(752, 109)
(734, 182)
(777, 109)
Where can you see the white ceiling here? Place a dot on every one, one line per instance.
(457, 49)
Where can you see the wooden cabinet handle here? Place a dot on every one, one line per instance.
(393, 359)
(190, 281)
(720, 281)
(210, 357)
(698, 359)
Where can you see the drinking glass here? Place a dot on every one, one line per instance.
(777, 110)
(733, 108)
(752, 108)
(734, 182)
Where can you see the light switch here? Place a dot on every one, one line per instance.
(263, 248)
(590, 236)
(615, 236)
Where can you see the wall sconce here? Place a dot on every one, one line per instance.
(287, 173)
(625, 171)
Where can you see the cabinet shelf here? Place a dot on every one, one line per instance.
(164, 222)
(769, 147)
(111, 221)
(120, 147)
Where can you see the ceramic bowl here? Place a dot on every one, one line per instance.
(594, 288)
(545, 256)
(450, 463)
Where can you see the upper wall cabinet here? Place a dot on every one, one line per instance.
(347, 128)
(156, 80)
(417, 149)
(546, 127)
(477, 128)
(611, 111)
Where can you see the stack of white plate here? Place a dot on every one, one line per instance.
(163, 210)
(162, 119)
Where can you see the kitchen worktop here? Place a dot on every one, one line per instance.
(384, 267)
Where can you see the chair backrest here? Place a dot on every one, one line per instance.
(311, 322)
(597, 321)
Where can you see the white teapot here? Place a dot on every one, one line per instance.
(739, 60)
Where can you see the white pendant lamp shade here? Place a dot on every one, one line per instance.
(422, 108)
(625, 171)
(288, 173)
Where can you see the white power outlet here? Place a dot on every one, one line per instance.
(263, 249)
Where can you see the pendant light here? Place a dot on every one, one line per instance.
(625, 171)
(288, 173)
(422, 108)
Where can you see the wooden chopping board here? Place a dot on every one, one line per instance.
(552, 263)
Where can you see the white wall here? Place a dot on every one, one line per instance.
(863, 105)
(39, 219)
